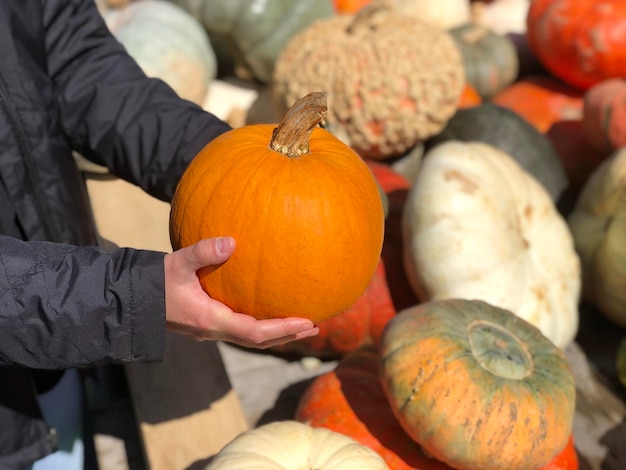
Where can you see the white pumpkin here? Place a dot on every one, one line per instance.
(167, 43)
(445, 14)
(501, 16)
(478, 226)
(290, 445)
(598, 223)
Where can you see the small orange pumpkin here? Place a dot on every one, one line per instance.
(304, 208)
(350, 400)
(469, 97)
(359, 326)
(476, 386)
(542, 100)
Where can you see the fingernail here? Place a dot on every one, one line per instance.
(307, 327)
(223, 244)
(311, 332)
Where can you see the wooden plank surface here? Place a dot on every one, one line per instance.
(186, 407)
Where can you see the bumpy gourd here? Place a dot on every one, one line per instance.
(392, 80)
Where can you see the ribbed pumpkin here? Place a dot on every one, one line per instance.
(350, 400)
(477, 226)
(304, 209)
(249, 35)
(598, 224)
(542, 101)
(490, 59)
(396, 187)
(501, 16)
(392, 80)
(476, 386)
(580, 42)
(604, 113)
(292, 445)
(359, 326)
(167, 43)
(511, 133)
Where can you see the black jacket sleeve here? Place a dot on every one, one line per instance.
(111, 112)
(65, 306)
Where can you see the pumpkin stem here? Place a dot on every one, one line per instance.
(291, 137)
(365, 17)
(499, 351)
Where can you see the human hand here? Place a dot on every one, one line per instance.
(192, 312)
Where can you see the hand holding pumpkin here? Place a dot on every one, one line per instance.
(190, 311)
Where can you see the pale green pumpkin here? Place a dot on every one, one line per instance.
(167, 43)
(251, 34)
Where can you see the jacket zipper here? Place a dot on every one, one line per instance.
(25, 150)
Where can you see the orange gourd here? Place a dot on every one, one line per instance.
(396, 187)
(304, 208)
(542, 101)
(581, 42)
(350, 400)
(360, 326)
(349, 7)
(469, 97)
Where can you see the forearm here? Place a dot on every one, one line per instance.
(64, 306)
(112, 113)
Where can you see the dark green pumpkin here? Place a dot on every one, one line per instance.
(511, 133)
(491, 60)
(249, 35)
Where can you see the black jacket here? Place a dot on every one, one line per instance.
(66, 84)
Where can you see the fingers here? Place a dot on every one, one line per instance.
(246, 330)
(207, 252)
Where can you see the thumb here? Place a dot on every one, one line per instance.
(210, 251)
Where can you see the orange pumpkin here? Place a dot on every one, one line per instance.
(396, 187)
(580, 42)
(350, 400)
(361, 325)
(476, 386)
(304, 208)
(567, 459)
(469, 97)
(349, 7)
(542, 101)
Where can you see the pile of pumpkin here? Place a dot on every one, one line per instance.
(496, 141)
